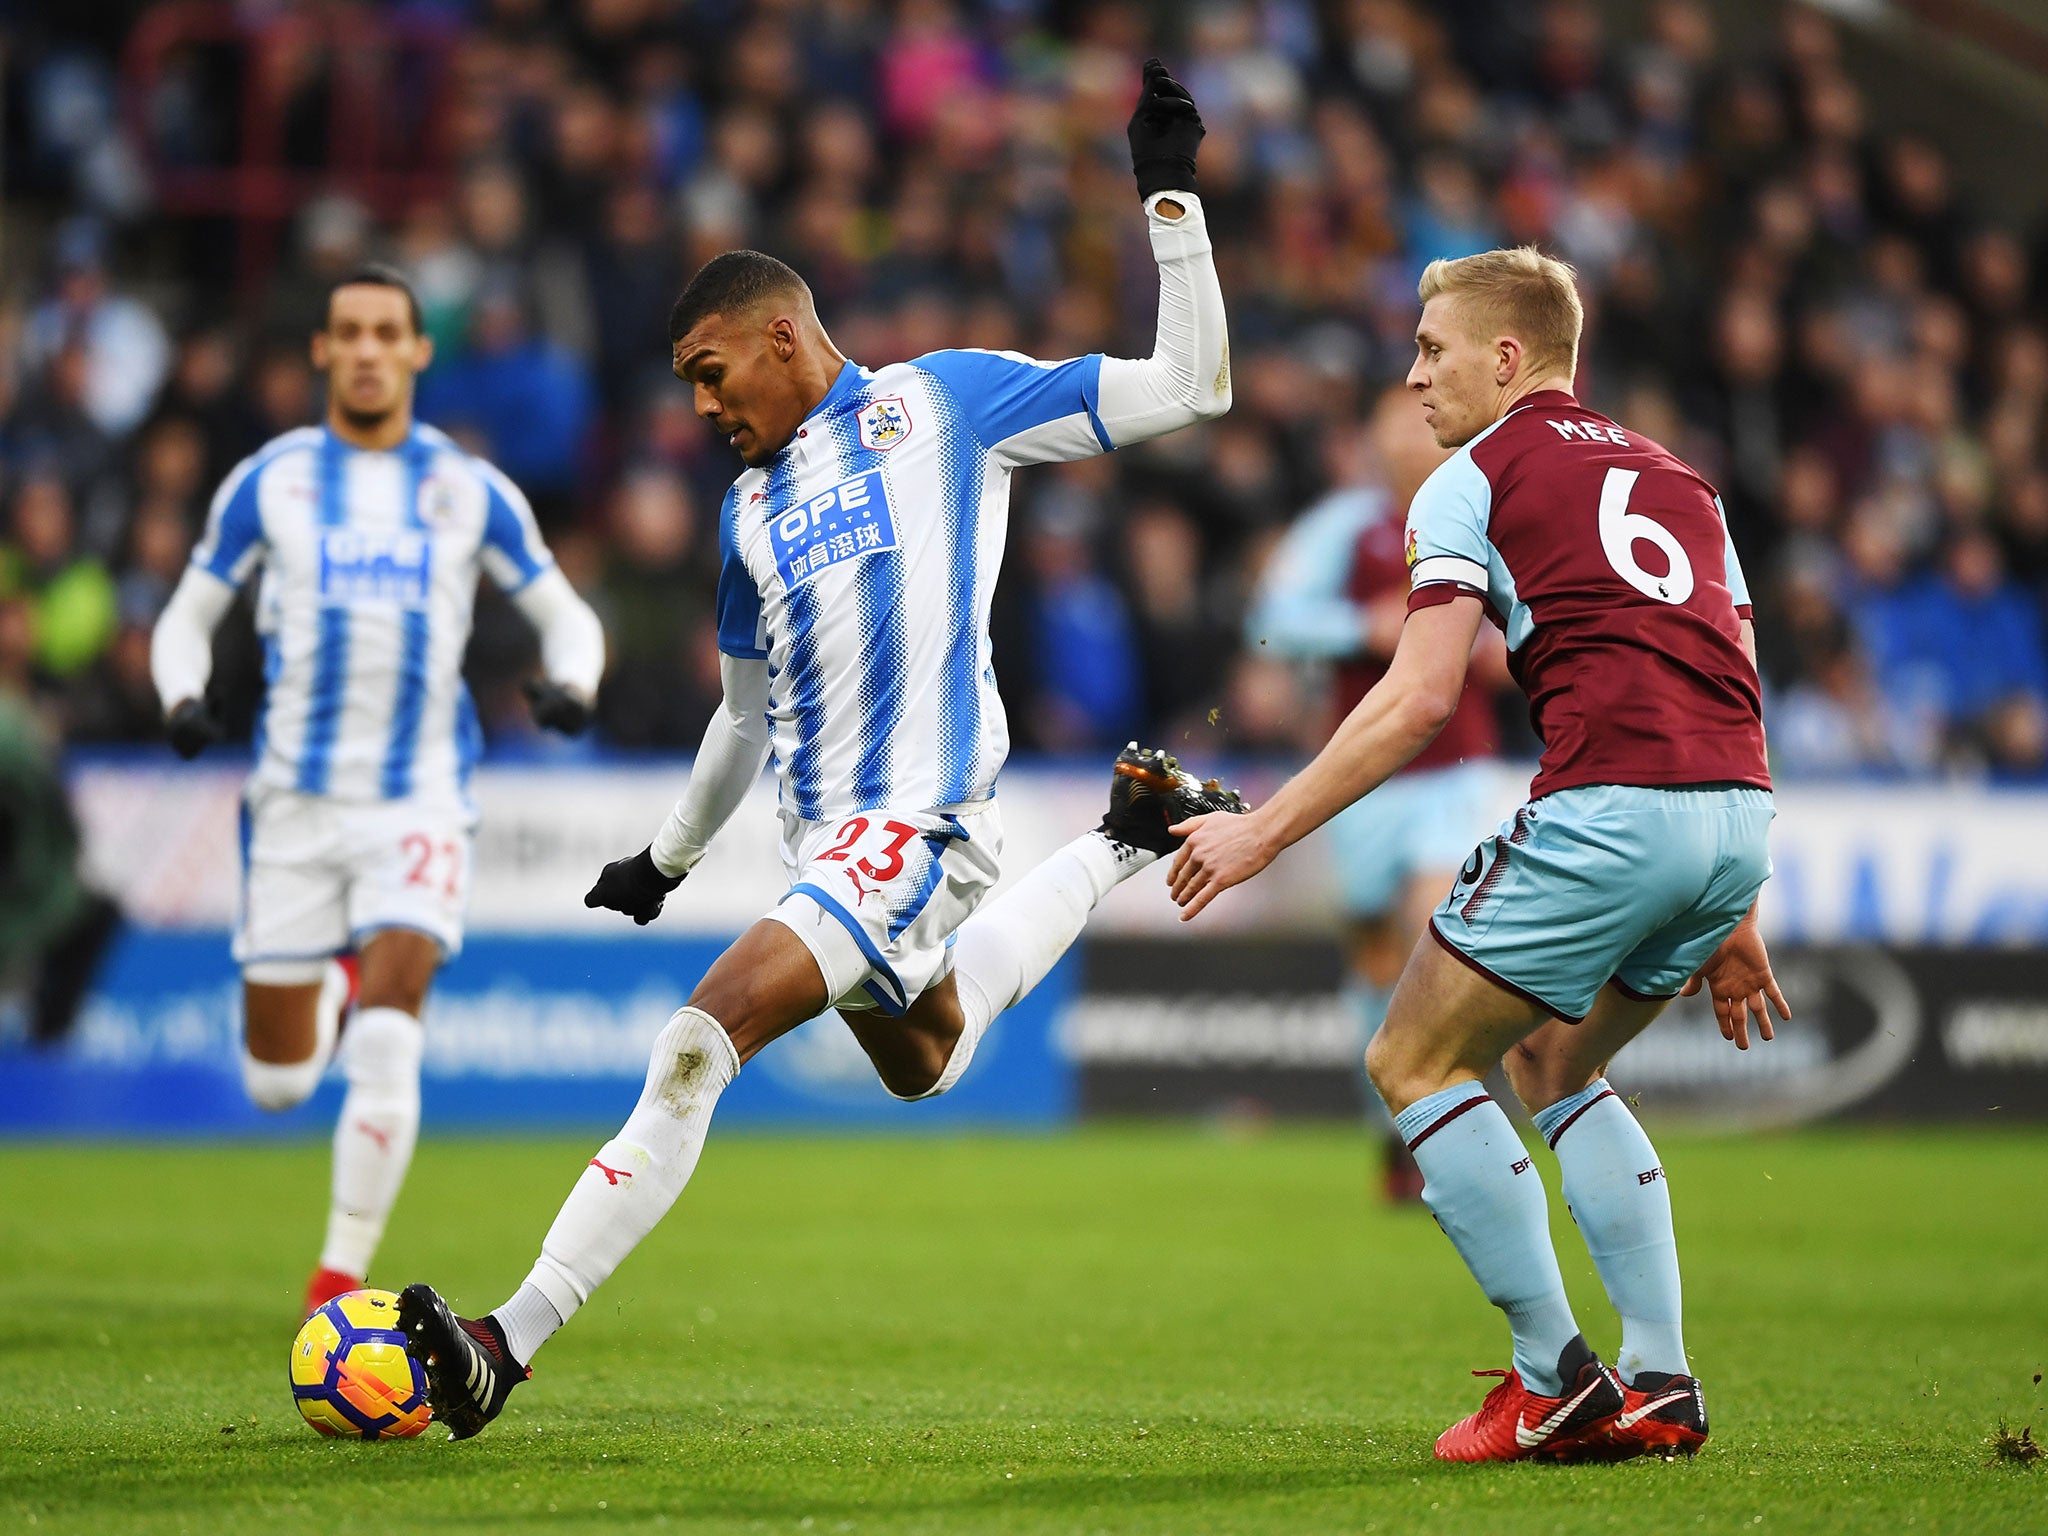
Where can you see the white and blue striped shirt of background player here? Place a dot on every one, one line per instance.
(369, 567)
(861, 561)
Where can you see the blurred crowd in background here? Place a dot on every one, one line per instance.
(1792, 298)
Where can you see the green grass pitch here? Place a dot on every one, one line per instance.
(1174, 1331)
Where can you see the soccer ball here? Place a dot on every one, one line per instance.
(351, 1376)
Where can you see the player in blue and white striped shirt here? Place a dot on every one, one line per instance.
(369, 532)
(859, 554)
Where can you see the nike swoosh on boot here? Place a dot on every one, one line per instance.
(1529, 1437)
(1635, 1415)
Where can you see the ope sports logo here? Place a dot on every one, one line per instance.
(850, 520)
(385, 567)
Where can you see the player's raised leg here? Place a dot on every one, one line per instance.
(379, 1123)
(1009, 944)
(1446, 1027)
(1615, 1185)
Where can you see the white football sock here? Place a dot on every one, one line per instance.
(282, 1085)
(529, 1320)
(374, 1137)
(631, 1183)
(1006, 948)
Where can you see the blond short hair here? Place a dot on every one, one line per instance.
(1518, 292)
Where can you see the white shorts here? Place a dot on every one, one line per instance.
(877, 897)
(320, 876)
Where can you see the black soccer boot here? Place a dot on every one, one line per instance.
(470, 1371)
(1150, 791)
(1662, 1414)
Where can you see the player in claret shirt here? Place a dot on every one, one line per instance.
(859, 556)
(1630, 876)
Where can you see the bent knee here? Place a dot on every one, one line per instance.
(1544, 1070)
(1379, 1057)
(914, 1073)
(276, 1086)
(1395, 1074)
(910, 1085)
(1404, 1068)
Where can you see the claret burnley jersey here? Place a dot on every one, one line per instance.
(1607, 563)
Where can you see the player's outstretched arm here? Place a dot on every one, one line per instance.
(571, 653)
(1025, 411)
(181, 659)
(1392, 723)
(1187, 377)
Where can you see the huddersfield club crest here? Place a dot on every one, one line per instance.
(436, 504)
(884, 424)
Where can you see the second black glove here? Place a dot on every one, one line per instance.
(191, 729)
(1165, 131)
(633, 886)
(556, 708)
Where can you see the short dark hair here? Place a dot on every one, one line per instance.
(731, 284)
(376, 274)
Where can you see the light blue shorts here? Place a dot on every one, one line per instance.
(1415, 823)
(1608, 882)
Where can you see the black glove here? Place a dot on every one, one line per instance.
(633, 886)
(1164, 132)
(191, 729)
(556, 708)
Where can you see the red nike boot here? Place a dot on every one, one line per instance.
(327, 1284)
(1661, 1415)
(1515, 1424)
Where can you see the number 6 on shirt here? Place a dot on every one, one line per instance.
(1619, 530)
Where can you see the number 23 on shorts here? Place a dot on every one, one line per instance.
(869, 851)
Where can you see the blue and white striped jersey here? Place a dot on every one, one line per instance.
(861, 561)
(369, 568)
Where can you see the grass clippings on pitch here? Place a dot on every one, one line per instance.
(1161, 1331)
(2020, 1450)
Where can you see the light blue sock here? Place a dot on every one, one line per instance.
(1615, 1188)
(1483, 1186)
